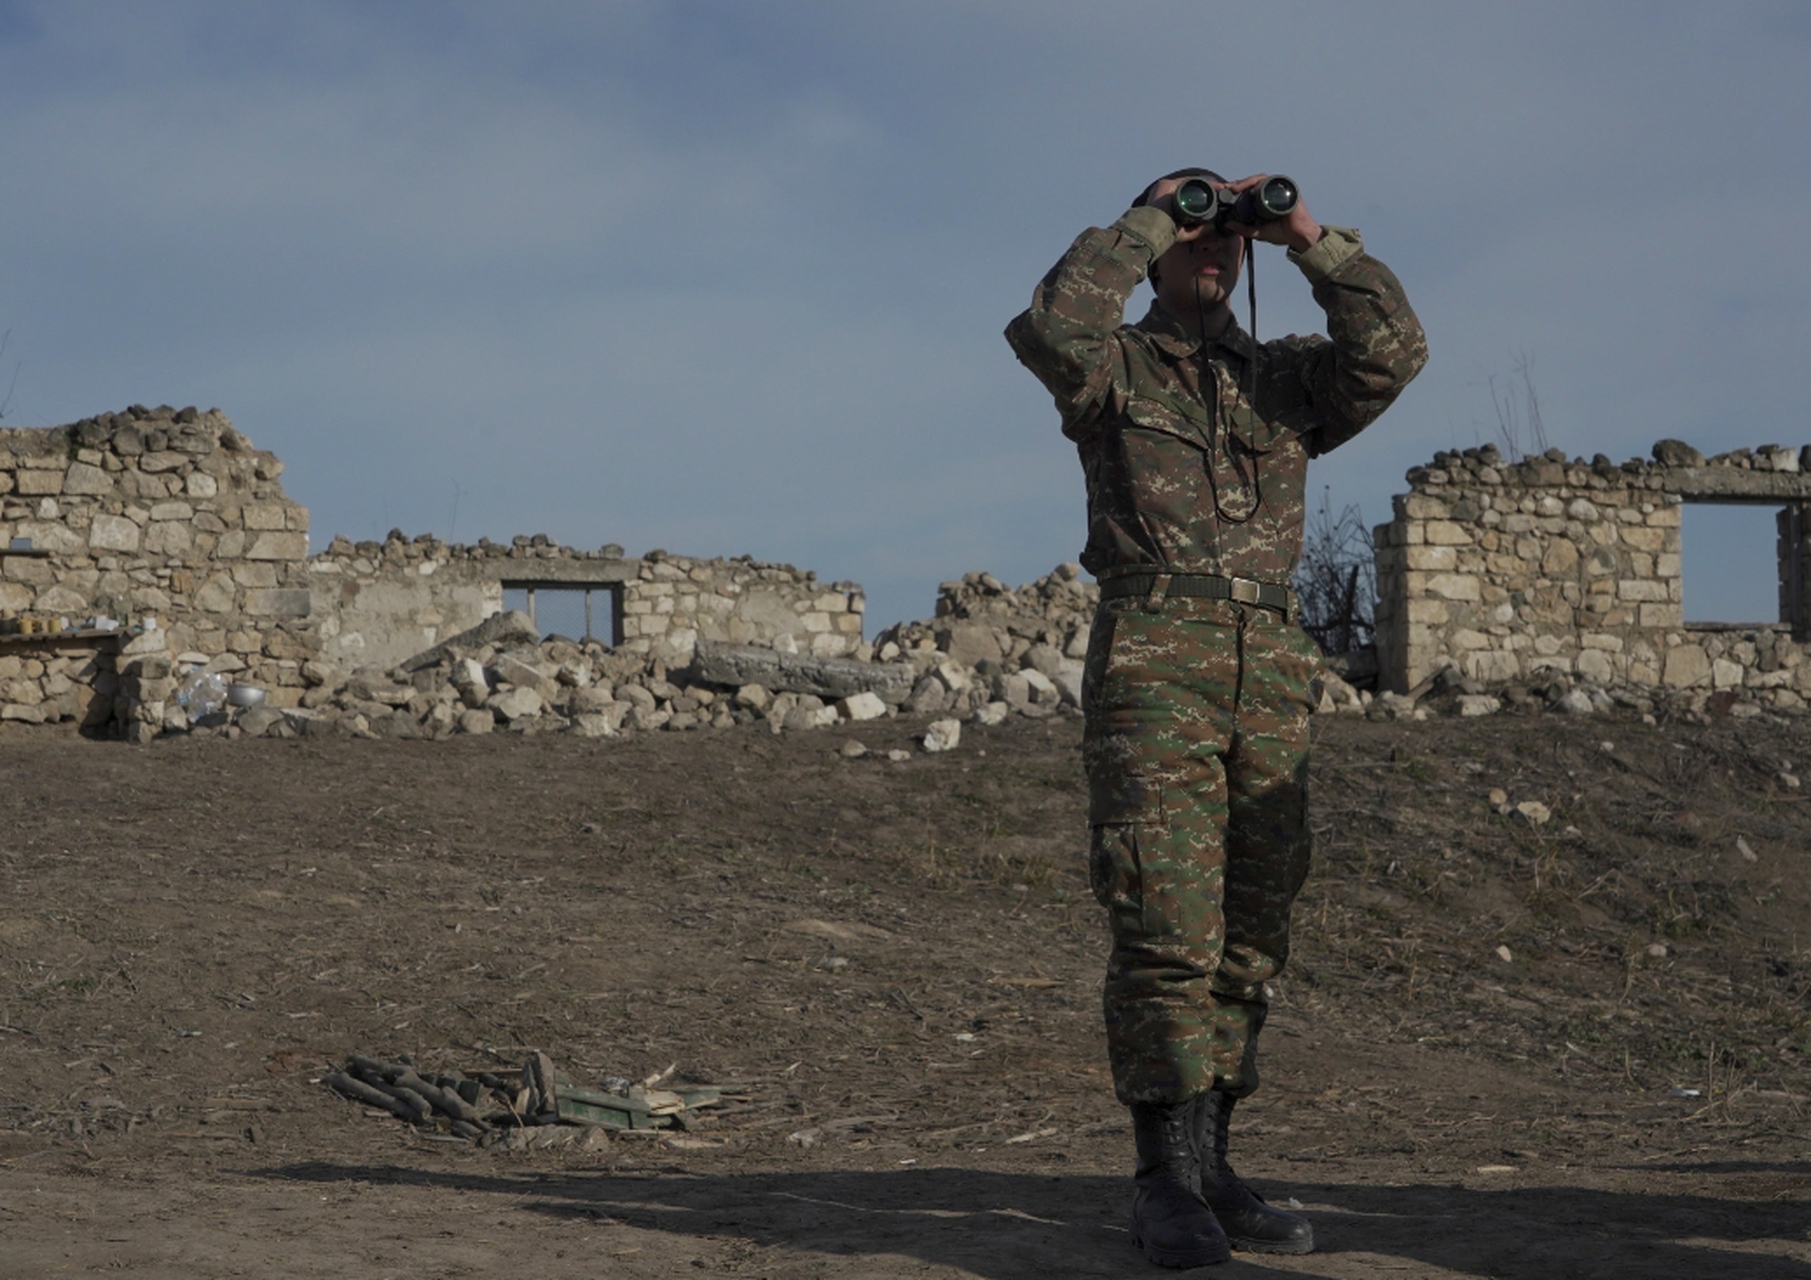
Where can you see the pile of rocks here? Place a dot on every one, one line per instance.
(990, 653)
(501, 677)
(1448, 692)
(498, 675)
(979, 618)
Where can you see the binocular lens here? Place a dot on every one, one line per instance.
(1278, 196)
(1195, 200)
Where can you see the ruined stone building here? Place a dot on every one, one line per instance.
(172, 518)
(137, 546)
(1555, 566)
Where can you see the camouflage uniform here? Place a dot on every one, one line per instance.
(1197, 707)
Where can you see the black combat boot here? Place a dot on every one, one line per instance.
(1169, 1221)
(1248, 1221)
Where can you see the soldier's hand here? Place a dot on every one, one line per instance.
(1297, 229)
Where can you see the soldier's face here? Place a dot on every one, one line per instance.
(1199, 273)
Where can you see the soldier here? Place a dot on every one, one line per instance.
(1194, 440)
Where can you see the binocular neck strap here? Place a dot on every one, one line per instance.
(1251, 393)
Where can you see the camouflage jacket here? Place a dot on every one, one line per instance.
(1182, 473)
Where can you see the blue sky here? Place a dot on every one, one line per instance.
(729, 278)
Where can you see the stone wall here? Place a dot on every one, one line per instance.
(171, 516)
(157, 514)
(379, 603)
(1565, 567)
(674, 602)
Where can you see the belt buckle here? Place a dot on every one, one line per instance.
(1244, 590)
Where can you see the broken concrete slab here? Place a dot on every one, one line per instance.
(513, 627)
(732, 666)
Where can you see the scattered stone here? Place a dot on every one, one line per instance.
(862, 706)
(1044, 693)
(753, 697)
(804, 718)
(853, 750)
(216, 564)
(1505, 954)
(1676, 453)
(517, 704)
(942, 735)
(1337, 696)
(1047, 660)
(257, 721)
(1533, 812)
(512, 627)
(734, 666)
(1748, 853)
(1391, 706)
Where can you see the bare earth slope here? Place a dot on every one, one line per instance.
(1574, 1049)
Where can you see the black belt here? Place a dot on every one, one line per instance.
(1211, 586)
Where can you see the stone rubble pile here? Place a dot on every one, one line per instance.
(1450, 693)
(991, 652)
(498, 676)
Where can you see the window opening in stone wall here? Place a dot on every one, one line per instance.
(1730, 565)
(577, 613)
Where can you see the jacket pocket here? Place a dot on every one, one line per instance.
(1190, 424)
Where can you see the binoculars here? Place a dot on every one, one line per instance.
(1197, 201)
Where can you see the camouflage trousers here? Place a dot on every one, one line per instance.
(1196, 748)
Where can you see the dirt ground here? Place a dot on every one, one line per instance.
(1577, 1049)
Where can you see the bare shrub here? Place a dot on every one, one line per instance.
(1336, 580)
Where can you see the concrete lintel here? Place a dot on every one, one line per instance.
(1733, 485)
(560, 573)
